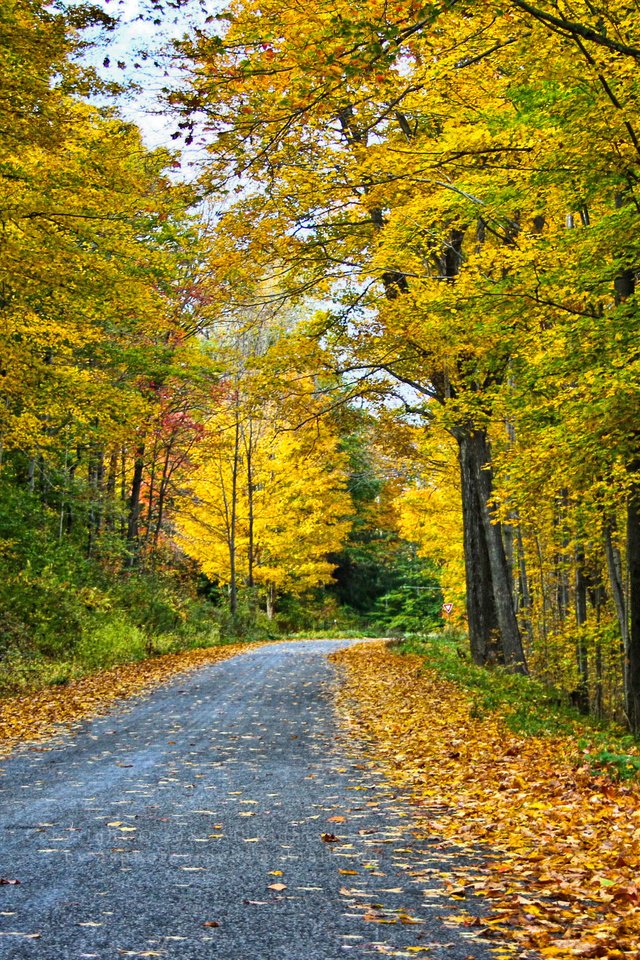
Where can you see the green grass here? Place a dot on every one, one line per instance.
(528, 707)
(337, 633)
(107, 643)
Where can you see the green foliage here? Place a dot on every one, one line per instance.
(249, 622)
(415, 600)
(63, 613)
(527, 706)
(619, 766)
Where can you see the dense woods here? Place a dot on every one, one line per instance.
(398, 364)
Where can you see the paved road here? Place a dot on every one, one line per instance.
(160, 830)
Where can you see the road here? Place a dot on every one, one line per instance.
(189, 824)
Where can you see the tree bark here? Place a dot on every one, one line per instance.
(616, 583)
(233, 583)
(134, 506)
(271, 597)
(481, 610)
(162, 498)
(110, 491)
(248, 449)
(523, 581)
(500, 578)
(633, 564)
(581, 585)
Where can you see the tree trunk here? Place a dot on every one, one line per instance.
(271, 598)
(162, 499)
(110, 491)
(582, 690)
(152, 491)
(633, 564)
(248, 449)
(523, 579)
(614, 568)
(96, 484)
(481, 610)
(134, 506)
(233, 584)
(508, 625)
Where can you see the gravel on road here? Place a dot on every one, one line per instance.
(225, 815)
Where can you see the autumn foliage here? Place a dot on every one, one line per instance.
(459, 186)
(559, 845)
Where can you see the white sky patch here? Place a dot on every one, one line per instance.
(138, 53)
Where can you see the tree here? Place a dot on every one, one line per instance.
(268, 504)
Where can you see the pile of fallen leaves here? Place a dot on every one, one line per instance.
(563, 846)
(38, 714)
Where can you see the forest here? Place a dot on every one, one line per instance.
(369, 363)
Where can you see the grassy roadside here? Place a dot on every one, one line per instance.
(38, 714)
(561, 840)
(528, 708)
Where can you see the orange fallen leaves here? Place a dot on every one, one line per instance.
(562, 846)
(37, 715)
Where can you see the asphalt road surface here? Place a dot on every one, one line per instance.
(188, 824)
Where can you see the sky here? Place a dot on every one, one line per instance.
(139, 51)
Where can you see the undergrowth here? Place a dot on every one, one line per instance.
(528, 707)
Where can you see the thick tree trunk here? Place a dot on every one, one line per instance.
(500, 577)
(633, 564)
(481, 609)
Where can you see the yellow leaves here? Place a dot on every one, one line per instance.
(288, 488)
(565, 881)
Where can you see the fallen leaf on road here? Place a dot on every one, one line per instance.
(18, 933)
(564, 881)
(37, 714)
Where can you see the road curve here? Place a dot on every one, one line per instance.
(189, 824)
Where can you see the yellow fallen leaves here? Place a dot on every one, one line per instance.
(563, 847)
(36, 715)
